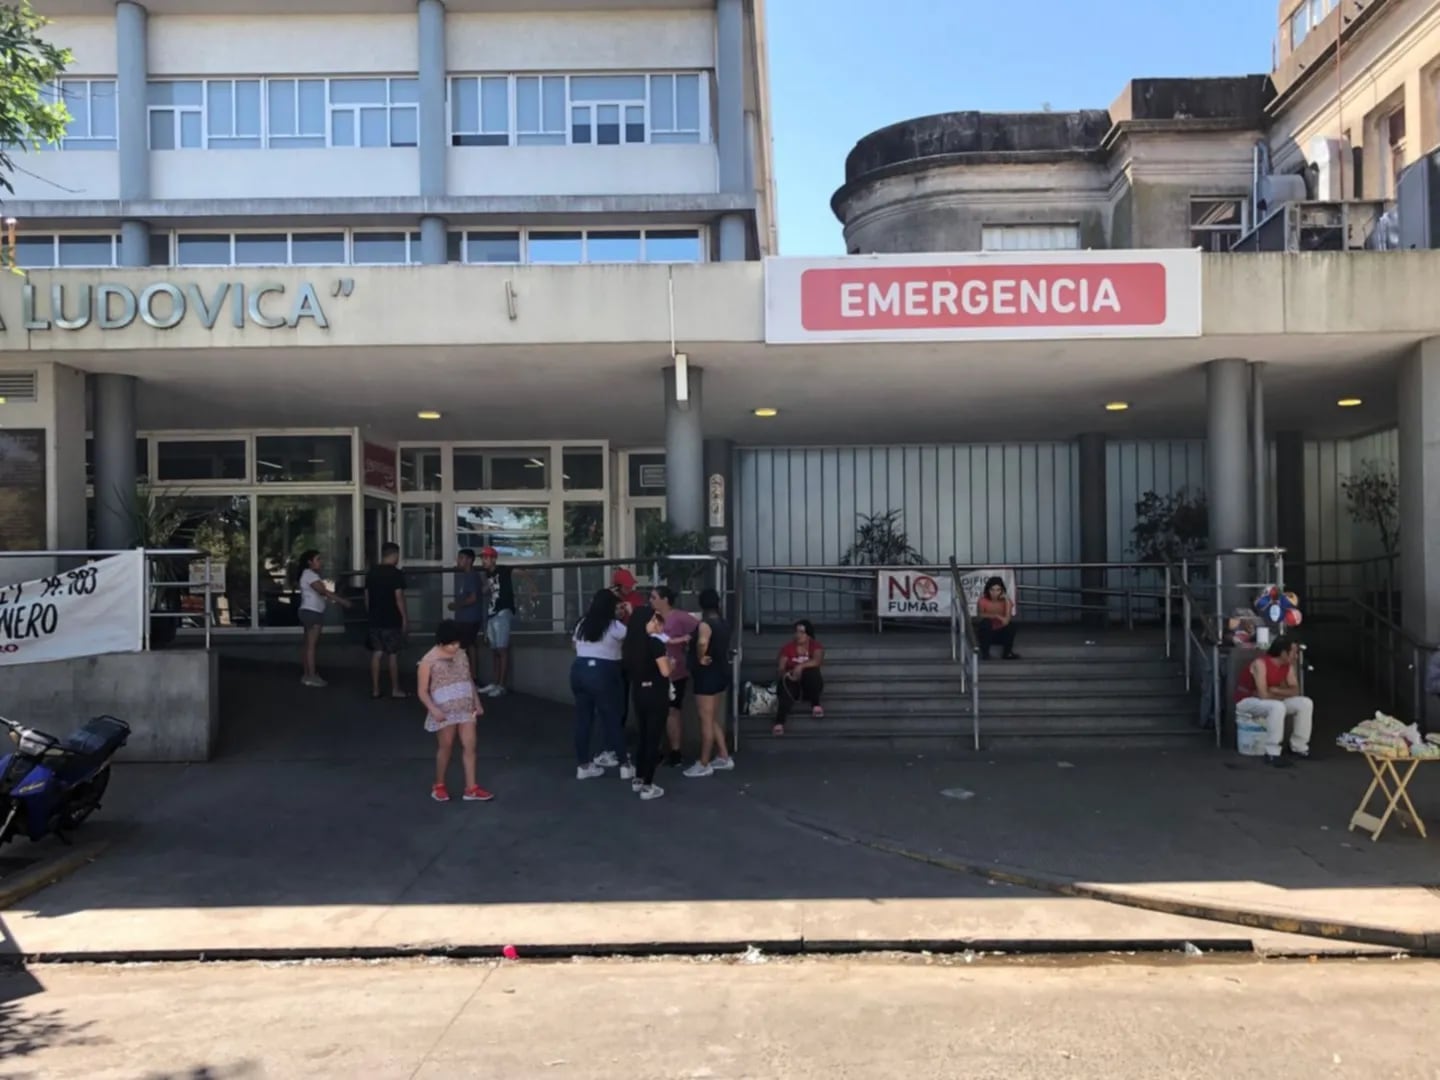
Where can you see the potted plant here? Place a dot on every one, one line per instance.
(1171, 527)
(879, 541)
(659, 541)
(1372, 498)
(157, 521)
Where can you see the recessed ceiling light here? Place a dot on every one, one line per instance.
(428, 414)
(766, 412)
(1349, 402)
(1116, 406)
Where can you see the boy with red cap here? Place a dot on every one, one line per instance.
(622, 584)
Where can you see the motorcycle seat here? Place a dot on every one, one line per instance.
(97, 738)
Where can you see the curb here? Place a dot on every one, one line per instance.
(17, 887)
(1417, 943)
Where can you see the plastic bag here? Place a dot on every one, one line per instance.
(760, 699)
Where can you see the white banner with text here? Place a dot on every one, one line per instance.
(920, 594)
(93, 609)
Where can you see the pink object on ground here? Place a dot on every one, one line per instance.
(510, 952)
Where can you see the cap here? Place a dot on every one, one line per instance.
(623, 578)
(489, 553)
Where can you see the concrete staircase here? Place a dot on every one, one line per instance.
(1071, 686)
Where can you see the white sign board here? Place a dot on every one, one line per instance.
(93, 609)
(913, 594)
(973, 582)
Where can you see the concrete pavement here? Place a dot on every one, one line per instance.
(313, 835)
(824, 1019)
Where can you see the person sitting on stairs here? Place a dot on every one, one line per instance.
(994, 622)
(800, 678)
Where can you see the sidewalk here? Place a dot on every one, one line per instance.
(313, 835)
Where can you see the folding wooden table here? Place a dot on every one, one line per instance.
(1390, 782)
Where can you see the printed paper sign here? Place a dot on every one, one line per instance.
(93, 609)
(913, 594)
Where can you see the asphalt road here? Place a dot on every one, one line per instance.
(1109, 1017)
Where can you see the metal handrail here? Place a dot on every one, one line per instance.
(960, 614)
(737, 653)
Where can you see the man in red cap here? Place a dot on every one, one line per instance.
(622, 584)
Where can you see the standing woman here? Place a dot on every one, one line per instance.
(994, 620)
(315, 597)
(710, 664)
(598, 689)
(447, 690)
(649, 669)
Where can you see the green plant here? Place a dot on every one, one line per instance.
(659, 542)
(1170, 527)
(880, 541)
(30, 65)
(1372, 496)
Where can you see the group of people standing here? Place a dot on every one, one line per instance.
(644, 652)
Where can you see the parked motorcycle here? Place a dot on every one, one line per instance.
(50, 785)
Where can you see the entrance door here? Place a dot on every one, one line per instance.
(379, 527)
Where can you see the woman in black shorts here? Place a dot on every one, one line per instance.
(710, 679)
(643, 655)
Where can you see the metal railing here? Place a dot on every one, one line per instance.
(737, 654)
(960, 617)
(158, 564)
(1400, 650)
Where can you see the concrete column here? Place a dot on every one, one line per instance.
(134, 243)
(1094, 543)
(1290, 507)
(115, 432)
(719, 458)
(433, 142)
(1228, 471)
(734, 245)
(730, 121)
(132, 72)
(1259, 454)
(433, 247)
(1419, 415)
(684, 456)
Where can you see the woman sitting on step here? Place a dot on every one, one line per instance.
(800, 678)
(995, 620)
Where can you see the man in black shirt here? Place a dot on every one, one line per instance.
(500, 615)
(389, 621)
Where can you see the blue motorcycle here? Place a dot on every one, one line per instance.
(50, 785)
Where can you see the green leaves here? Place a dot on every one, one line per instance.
(28, 65)
(1170, 527)
(1372, 495)
(880, 541)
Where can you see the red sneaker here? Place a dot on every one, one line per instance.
(477, 794)
(439, 794)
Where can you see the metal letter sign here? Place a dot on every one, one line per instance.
(164, 305)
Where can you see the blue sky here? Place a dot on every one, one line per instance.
(842, 68)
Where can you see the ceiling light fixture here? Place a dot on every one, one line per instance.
(428, 414)
(1116, 406)
(1349, 402)
(766, 412)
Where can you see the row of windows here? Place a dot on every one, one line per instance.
(484, 110)
(1306, 17)
(359, 247)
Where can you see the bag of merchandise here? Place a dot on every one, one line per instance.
(760, 700)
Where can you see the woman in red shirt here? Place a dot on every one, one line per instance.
(994, 620)
(800, 678)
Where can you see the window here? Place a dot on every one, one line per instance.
(675, 108)
(480, 111)
(312, 459)
(607, 110)
(384, 248)
(1394, 129)
(232, 114)
(420, 533)
(556, 247)
(420, 469)
(673, 246)
(203, 249)
(612, 247)
(297, 113)
(492, 247)
(261, 249)
(1299, 25)
(540, 110)
(48, 250)
(160, 253)
(585, 530)
(288, 525)
(584, 470)
(1215, 224)
(501, 470)
(91, 104)
(317, 249)
(177, 115)
(251, 249)
(374, 112)
(1030, 238)
(516, 532)
(200, 459)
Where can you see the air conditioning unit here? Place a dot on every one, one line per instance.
(1276, 190)
(1334, 169)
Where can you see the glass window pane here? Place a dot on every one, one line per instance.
(374, 130)
(285, 527)
(673, 245)
(585, 530)
(162, 130)
(220, 109)
(379, 247)
(580, 124)
(647, 474)
(189, 93)
(200, 460)
(317, 249)
(494, 248)
(495, 105)
(607, 88)
(687, 102)
(358, 92)
(159, 249)
(303, 458)
(76, 95)
(607, 125)
(464, 105)
(612, 247)
(554, 92)
(557, 247)
(420, 539)
(662, 101)
(672, 138)
(501, 470)
(584, 470)
(634, 124)
(404, 127)
(87, 251)
(454, 247)
(102, 109)
(220, 525)
(175, 93)
(282, 107)
(247, 107)
(203, 249)
(312, 107)
(261, 249)
(527, 103)
(419, 469)
(516, 532)
(541, 140)
(192, 135)
(404, 91)
(35, 251)
(342, 128)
